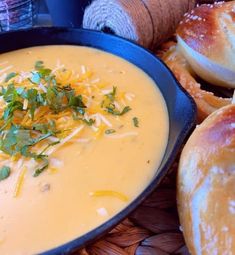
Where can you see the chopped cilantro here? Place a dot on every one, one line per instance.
(111, 95)
(41, 169)
(110, 131)
(20, 91)
(89, 122)
(48, 146)
(11, 108)
(46, 127)
(135, 122)
(76, 102)
(10, 93)
(80, 110)
(112, 110)
(54, 99)
(125, 110)
(24, 138)
(39, 65)
(32, 95)
(10, 76)
(41, 70)
(36, 78)
(4, 172)
(108, 104)
(18, 140)
(44, 72)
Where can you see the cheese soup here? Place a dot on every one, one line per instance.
(82, 134)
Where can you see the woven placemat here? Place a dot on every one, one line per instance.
(153, 229)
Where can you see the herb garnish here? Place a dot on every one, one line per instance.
(42, 71)
(10, 76)
(45, 128)
(18, 139)
(4, 172)
(135, 122)
(108, 104)
(36, 78)
(38, 171)
(112, 109)
(110, 131)
(39, 65)
(23, 127)
(112, 94)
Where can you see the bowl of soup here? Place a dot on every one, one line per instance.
(90, 124)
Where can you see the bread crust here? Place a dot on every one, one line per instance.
(205, 185)
(206, 37)
(204, 29)
(206, 101)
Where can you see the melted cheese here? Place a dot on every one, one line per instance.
(92, 175)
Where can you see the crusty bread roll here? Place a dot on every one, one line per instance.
(206, 185)
(206, 38)
(206, 101)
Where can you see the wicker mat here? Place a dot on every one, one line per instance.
(153, 229)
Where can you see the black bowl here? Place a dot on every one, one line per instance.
(181, 107)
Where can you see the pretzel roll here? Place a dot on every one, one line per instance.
(206, 101)
(205, 186)
(206, 38)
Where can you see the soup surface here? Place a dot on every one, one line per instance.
(82, 134)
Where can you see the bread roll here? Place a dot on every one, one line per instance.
(206, 38)
(206, 101)
(206, 185)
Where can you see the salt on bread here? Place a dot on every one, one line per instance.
(205, 185)
(206, 38)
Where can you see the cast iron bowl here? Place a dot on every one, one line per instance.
(181, 107)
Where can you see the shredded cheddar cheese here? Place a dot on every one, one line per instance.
(110, 193)
(20, 181)
(44, 109)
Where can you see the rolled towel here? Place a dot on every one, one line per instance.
(147, 22)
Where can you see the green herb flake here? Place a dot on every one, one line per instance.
(44, 72)
(125, 110)
(111, 109)
(14, 140)
(41, 169)
(76, 102)
(47, 147)
(36, 78)
(110, 131)
(111, 95)
(20, 140)
(89, 122)
(4, 172)
(39, 65)
(135, 122)
(10, 76)
(10, 109)
(44, 128)
(9, 93)
(32, 98)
